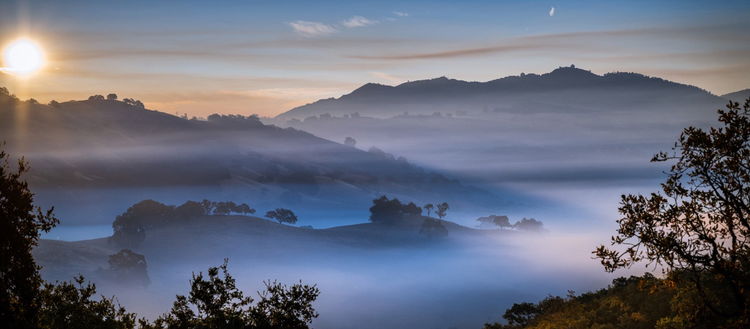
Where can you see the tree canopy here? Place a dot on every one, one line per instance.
(21, 223)
(697, 227)
(215, 302)
(282, 215)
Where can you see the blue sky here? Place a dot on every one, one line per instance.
(268, 56)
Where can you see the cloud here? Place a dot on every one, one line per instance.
(386, 76)
(454, 53)
(358, 21)
(312, 29)
(400, 14)
(552, 11)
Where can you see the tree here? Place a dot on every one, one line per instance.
(245, 209)
(697, 227)
(127, 267)
(222, 208)
(529, 224)
(127, 232)
(54, 104)
(65, 306)
(189, 209)
(20, 226)
(112, 97)
(493, 221)
(386, 211)
(219, 304)
(208, 206)
(350, 142)
(428, 207)
(282, 216)
(96, 98)
(441, 209)
(411, 209)
(433, 228)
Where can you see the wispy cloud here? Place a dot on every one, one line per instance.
(454, 53)
(386, 76)
(312, 29)
(358, 21)
(400, 14)
(552, 11)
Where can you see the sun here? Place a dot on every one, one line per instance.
(22, 57)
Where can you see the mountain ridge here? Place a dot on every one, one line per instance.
(507, 89)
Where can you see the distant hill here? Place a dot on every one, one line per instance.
(738, 96)
(568, 86)
(98, 157)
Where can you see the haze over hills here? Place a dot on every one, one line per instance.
(737, 96)
(527, 134)
(100, 156)
(569, 86)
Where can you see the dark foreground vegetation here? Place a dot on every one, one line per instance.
(28, 302)
(697, 230)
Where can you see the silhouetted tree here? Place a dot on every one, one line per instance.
(96, 98)
(386, 211)
(502, 221)
(151, 213)
(4, 91)
(493, 221)
(245, 209)
(433, 228)
(699, 225)
(128, 232)
(32, 101)
(411, 209)
(208, 206)
(222, 208)
(442, 209)
(350, 142)
(65, 306)
(112, 97)
(20, 226)
(529, 224)
(428, 207)
(54, 104)
(189, 209)
(282, 215)
(127, 267)
(219, 304)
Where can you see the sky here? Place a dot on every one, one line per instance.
(266, 57)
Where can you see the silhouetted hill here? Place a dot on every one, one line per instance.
(564, 86)
(738, 96)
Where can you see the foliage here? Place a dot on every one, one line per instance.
(433, 228)
(112, 97)
(54, 104)
(96, 98)
(245, 209)
(282, 215)
(529, 224)
(493, 221)
(428, 207)
(386, 211)
(219, 304)
(441, 209)
(65, 306)
(20, 226)
(189, 209)
(350, 142)
(127, 267)
(133, 102)
(635, 302)
(698, 226)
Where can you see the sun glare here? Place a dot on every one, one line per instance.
(22, 57)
